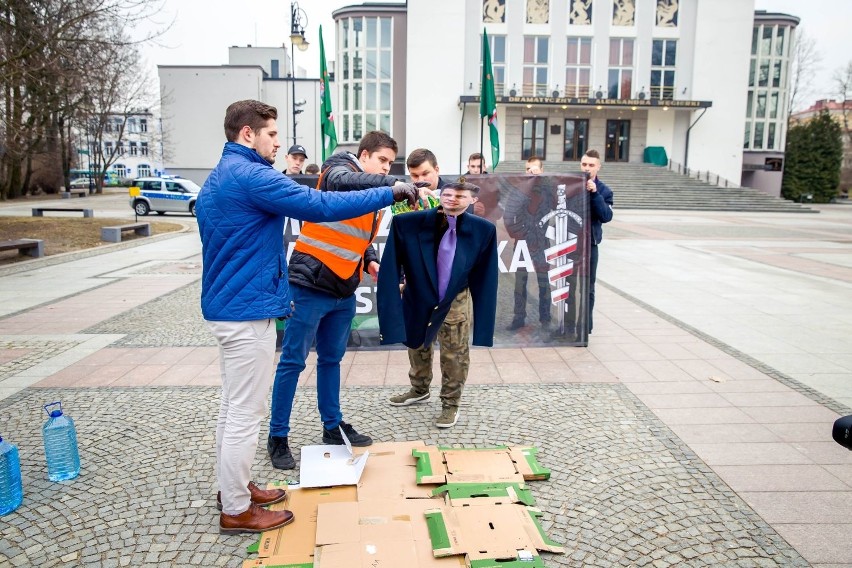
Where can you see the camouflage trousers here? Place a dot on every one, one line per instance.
(454, 338)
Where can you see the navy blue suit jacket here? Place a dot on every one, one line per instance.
(410, 249)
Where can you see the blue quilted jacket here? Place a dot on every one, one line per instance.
(241, 210)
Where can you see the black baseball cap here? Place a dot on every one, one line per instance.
(298, 149)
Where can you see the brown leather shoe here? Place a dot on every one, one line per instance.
(262, 497)
(255, 519)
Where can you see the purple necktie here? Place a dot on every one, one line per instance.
(446, 253)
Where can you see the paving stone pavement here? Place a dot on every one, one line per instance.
(624, 490)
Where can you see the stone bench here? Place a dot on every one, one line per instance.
(113, 234)
(78, 191)
(39, 211)
(29, 247)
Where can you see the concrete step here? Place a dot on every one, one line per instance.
(645, 186)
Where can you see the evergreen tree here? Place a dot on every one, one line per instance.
(813, 156)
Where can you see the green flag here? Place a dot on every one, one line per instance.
(488, 101)
(329, 135)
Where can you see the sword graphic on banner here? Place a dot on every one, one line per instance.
(566, 243)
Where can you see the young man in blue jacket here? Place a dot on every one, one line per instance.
(600, 211)
(241, 210)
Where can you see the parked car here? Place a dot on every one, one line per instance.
(83, 182)
(163, 194)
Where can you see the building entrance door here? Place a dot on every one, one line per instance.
(617, 140)
(576, 139)
(532, 140)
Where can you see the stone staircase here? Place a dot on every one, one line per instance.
(645, 186)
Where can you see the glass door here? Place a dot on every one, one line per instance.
(617, 140)
(576, 139)
(533, 138)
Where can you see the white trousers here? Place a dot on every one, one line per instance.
(246, 359)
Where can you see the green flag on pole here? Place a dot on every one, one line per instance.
(488, 101)
(329, 135)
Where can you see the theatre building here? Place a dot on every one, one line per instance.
(620, 76)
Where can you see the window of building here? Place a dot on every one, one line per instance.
(144, 170)
(366, 87)
(497, 45)
(107, 149)
(143, 125)
(533, 135)
(132, 127)
(758, 135)
(620, 77)
(143, 148)
(273, 68)
(121, 171)
(663, 59)
(578, 71)
(535, 66)
(134, 150)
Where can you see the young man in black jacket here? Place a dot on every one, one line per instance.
(325, 270)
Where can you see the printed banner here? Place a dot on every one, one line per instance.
(543, 246)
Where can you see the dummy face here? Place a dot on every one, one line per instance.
(590, 166)
(455, 201)
(295, 163)
(379, 162)
(425, 172)
(264, 141)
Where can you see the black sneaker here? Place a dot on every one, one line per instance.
(333, 437)
(279, 452)
(516, 324)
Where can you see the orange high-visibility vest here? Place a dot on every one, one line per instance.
(340, 245)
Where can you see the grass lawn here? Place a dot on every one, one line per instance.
(66, 234)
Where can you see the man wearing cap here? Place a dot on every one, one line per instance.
(295, 157)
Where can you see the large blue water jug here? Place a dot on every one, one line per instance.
(11, 493)
(60, 444)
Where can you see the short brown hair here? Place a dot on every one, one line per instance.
(251, 113)
(532, 159)
(476, 156)
(593, 154)
(376, 140)
(420, 155)
(462, 185)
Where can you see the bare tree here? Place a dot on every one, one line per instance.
(46, 53)
(805, 64)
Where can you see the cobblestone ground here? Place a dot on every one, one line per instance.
(173, 320)
(624, 490)
(35, 351)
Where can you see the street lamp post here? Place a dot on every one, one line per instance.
(298, 22)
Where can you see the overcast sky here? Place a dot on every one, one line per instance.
(202, 31)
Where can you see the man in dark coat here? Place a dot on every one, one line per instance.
(415, 249)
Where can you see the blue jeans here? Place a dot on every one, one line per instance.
(327, 319)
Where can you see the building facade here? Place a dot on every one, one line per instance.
(194, 99)
(767, 101)
(132, 141)
(619, 76)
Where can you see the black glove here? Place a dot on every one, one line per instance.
(292, 310)
(405, 192)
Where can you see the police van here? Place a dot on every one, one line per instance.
(163, 194)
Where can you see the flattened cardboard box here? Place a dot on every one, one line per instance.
(293, 545)
(437, 464)
(392, 473)
(380, 532)
(490, 535)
